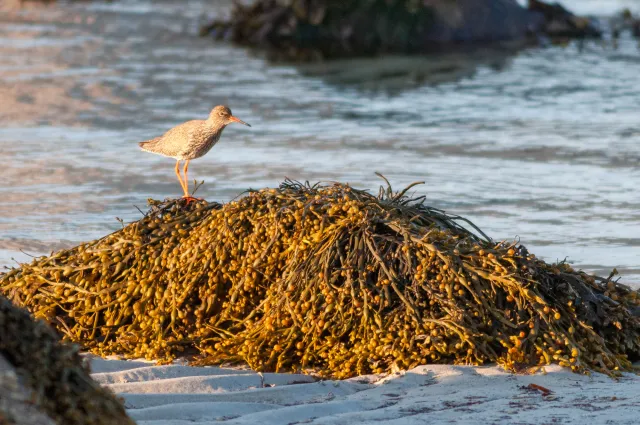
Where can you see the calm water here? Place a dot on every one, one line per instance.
(542, 144)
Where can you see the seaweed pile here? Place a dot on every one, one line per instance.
(54, 373)
(326, 279)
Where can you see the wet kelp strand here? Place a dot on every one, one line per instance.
(326, 279)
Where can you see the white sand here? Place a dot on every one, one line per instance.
(439, 394)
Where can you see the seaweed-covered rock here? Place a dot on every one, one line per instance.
(43, 381)
(328, 279)
(303, 29)
(559, 22)
(16, 407)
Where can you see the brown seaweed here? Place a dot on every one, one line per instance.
(330, 280)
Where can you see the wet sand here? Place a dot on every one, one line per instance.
(436, 394)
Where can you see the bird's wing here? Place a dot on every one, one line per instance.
(182, 131)
(177, 138)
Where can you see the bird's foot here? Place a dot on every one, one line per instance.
(189, 199)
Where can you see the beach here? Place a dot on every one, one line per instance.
(436, 394)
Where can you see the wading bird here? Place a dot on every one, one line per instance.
(191, 140)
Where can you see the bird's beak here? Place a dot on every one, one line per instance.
(238, 120)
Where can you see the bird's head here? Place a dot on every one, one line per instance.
(222, 115)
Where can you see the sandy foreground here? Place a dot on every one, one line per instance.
(439, 394)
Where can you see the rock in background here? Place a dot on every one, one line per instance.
(313, 29)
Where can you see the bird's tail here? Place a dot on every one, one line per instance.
(148, 145)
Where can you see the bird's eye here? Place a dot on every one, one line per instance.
(221, 114)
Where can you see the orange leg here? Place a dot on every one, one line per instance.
(186, 196)
(186, 179)
(182, 184)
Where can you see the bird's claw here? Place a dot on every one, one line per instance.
(189, 199)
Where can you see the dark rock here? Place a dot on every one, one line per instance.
(53, 374)
(559, 22)
(15, 400)
(303, 29)
(474, 21)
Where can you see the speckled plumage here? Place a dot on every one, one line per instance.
(191, 140)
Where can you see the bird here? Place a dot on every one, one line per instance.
(191, 140)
